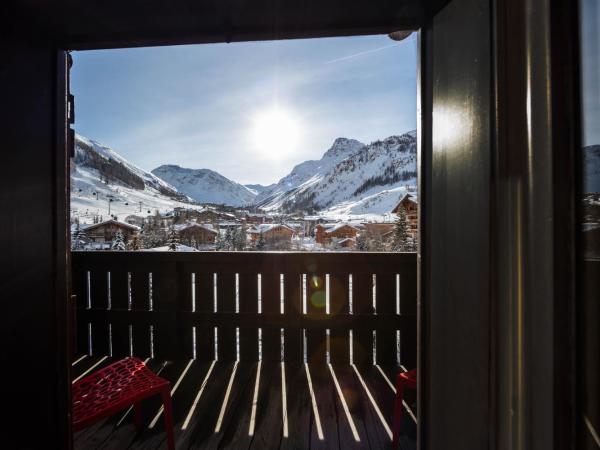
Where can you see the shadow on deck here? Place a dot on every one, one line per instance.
(226, 405)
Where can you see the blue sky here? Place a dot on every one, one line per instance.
(590, 42)
(250, 111)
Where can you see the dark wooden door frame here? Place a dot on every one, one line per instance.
(524, 56)
(522, 341)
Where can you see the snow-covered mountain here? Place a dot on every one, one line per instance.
(351, 176)
(206, 186)
(591, 161)
(272, 197)
(100, 176)
(259, 188)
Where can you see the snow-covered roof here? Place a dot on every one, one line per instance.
(265, 227)
(110, 221)
(166, 248)
(185, 226)
(409, 197)
(331, 227)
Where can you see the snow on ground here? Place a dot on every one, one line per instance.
(126, 201)
(373, 208)
(165, 248)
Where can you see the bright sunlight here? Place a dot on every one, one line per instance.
(276, 132)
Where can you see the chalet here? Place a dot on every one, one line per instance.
(255, 218)
(201, 215)
(325, 233)
(135, 220)
(409, 203)
(200, 233)
(271, 232)
(349, 243)
(378, 228)
(411, 209)
(104, 233)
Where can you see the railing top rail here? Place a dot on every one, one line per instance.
(345, 258)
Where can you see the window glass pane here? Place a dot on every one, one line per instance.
(589, 311)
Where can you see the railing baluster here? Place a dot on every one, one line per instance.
(226, 304)
(99, 302)
(165, 301)
(292, 294)
(408, 308)
(205, 342)
(186, 331)
(362, 303)
(271, 298)
(119, 302)
(80, 289)
(386, 305)
(248, 303)
(140, 301)
(316, 345)
(339, 345)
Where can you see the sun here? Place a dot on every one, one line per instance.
(276, 132)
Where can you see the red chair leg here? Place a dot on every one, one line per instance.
(168, 413)
(397, 411)
(137, 416)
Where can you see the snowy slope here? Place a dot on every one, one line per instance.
(366, 178)
(204, 185)
(259, 188)
(99, 174)
(273, 196)
(380, 203)
(591, 160)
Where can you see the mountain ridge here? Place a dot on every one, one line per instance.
(205, 185)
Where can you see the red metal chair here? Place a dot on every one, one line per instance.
(404, 380)
(116, 387)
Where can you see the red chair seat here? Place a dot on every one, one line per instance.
(116, 387)
(404, 380)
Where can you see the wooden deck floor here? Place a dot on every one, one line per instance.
(222, 405)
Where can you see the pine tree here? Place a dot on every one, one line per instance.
(239, 239)
(400, 239)
(260, 244)
(361, 243)
(79, 239)
(119, 242)
(173, 240)
(135, 243)
(228, 241)
(219, 241)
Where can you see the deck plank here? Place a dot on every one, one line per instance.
(202, 421)
(237, 433)
(353, 401)
(376, 428)
(269, 417)
(299, 409)
(212, 438)
(119, 432)
(85, 364)
(182, 400)
(325, 395)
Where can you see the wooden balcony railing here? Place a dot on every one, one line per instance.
(293, 307)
